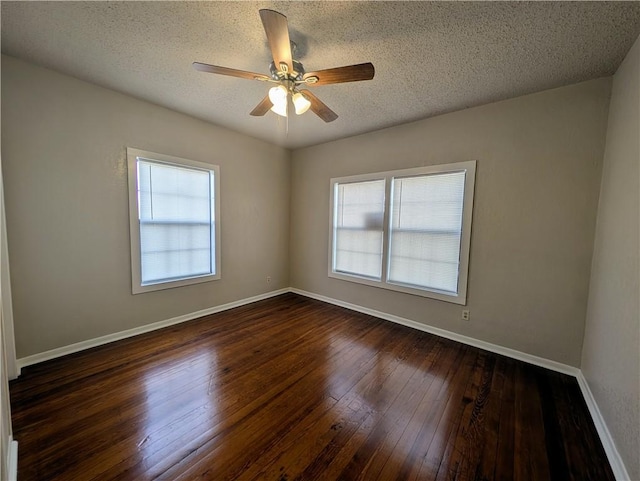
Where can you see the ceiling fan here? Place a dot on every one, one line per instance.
(289, 74)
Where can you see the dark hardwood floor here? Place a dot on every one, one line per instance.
(291, 388)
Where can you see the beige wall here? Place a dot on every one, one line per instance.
(64, 161)
(538, 173)
(611, 352)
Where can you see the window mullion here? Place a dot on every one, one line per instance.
(386, 228)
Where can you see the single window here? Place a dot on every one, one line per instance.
(407, 231)
(173, 209)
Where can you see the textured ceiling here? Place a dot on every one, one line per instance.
(430, 57)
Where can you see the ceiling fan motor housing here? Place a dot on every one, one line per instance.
(278, 73)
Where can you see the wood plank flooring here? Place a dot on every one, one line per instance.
(295, 389)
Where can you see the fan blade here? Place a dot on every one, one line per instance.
(275, 26)
(231, 72)
(318, 107)
(262, 108)
(350, 73)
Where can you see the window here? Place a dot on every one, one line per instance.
(405, 230)
(174, 217)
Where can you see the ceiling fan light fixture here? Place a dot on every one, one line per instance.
(280, 109)
(300, 103)
(278, 96)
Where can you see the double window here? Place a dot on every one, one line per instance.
(173, 211)
(405, 230)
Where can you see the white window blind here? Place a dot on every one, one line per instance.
(358, 228)
(425, 231)
(177, 228)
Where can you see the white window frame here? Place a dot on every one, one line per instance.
(134, 223)
(469, 167)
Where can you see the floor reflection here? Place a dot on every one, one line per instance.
(180, 399)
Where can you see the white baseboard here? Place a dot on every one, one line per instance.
(12, 459)
(99, 341)
(487, 346)
(615, 460)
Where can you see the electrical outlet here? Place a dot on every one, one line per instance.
(465, 314)
(268, 279)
